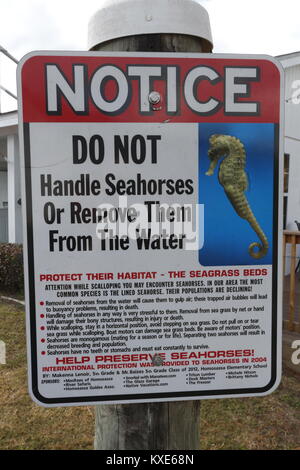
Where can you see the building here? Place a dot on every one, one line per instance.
(291, 65)
(10, 191)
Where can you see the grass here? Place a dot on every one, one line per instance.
(23, 424)
(258, 423)
(271, 422)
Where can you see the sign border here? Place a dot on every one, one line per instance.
(25, 154)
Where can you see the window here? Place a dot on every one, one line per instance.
(286, 173)
(285, 187)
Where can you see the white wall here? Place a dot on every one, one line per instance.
(292, 142)
(3, 188)
(14, 190)
(292, 147)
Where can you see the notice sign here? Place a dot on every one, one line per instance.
(151, 199)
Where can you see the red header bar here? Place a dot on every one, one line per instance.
(116, 89)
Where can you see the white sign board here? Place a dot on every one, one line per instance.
(152, 208)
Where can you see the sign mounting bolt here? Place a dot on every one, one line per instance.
(157, 360)
(154, 97)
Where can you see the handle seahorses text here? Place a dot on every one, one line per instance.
(233, 178)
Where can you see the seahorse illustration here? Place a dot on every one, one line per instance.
(233, 178)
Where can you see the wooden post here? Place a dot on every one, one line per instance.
(155, 426)
(292, 284)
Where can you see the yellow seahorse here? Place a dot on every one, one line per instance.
(233, 178)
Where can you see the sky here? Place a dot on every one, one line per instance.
(238, 26)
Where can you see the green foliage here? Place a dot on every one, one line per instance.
(11, 267)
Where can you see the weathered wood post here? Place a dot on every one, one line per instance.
(149, 26)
